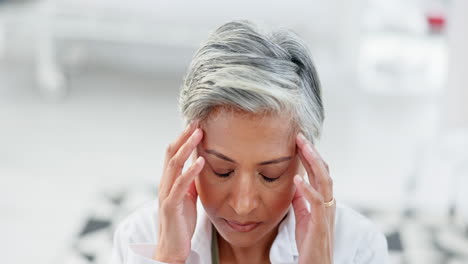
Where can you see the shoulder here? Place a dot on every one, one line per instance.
(357, 238)
(137, 228)
(140, 225)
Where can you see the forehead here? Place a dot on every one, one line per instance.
(253, 136)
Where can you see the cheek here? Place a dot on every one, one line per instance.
(285, 190)
(279, 199)
(209, 192)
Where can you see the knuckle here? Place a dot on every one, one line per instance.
(330, 181)
(174, 163)
(163, 205)
(178, 183)
(160, 191)
(318, 200)
(169, 203)
(170, 149)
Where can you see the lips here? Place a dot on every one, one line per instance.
(242, 227)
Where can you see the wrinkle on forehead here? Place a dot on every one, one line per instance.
(259, 117)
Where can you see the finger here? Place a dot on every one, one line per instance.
(312, 196)
(299, 204)
(176, 163)
(321, 218)
(183, 183)
(322, 163)
(308, 169)
(192, 191)
(325, 165)
(322, 179)
(325, 182)
(172, 148)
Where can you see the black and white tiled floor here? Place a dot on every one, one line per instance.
(412, 237)
(92, 242)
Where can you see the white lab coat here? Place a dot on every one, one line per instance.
(357, 240)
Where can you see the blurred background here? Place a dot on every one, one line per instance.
(88, 103)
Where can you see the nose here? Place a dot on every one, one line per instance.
(244, 196)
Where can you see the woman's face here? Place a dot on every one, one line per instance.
(246, 185)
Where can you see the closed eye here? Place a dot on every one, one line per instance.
(227, 174)
(223, 175)
(268, 179)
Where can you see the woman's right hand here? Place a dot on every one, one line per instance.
(177, 198)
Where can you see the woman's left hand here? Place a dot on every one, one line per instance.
(314, 226)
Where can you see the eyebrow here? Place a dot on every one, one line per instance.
(224, 157)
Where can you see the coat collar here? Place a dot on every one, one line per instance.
(283, 249)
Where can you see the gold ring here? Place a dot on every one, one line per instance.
(330, 203)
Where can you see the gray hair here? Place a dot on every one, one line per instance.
(240, 68)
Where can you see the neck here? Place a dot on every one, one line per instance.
(258, 253)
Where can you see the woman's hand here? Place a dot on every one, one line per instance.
(314, 226)
(177, 199)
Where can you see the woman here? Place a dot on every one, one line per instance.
(255, 109)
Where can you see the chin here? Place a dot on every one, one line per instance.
(245, 242)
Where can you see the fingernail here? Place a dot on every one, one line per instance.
(199, 160)
(196, 132)
(302, 137)
(298, 179)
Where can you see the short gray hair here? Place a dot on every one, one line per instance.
(239, 67)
